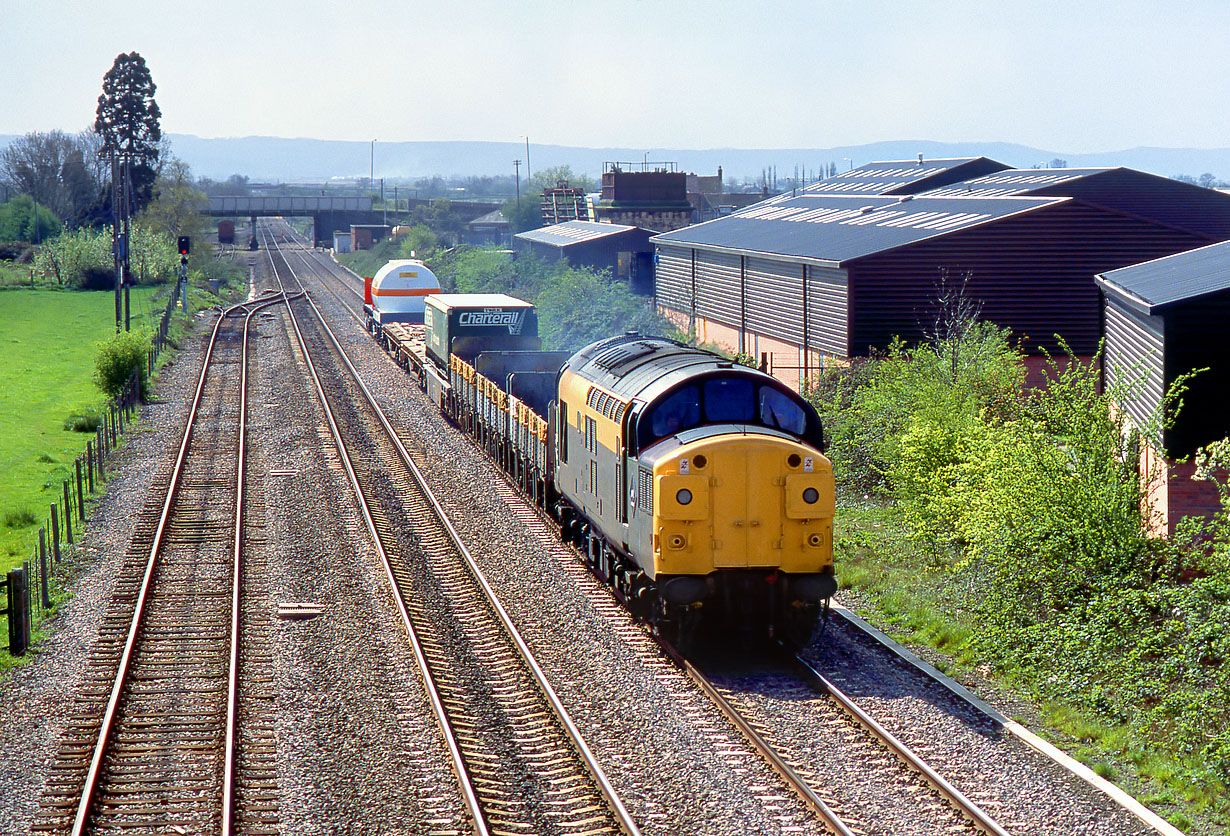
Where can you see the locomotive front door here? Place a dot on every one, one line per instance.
(747, 509)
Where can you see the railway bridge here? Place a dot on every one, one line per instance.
(328, 214)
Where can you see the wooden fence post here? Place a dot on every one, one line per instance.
(19, 609)
(68, 515)
(80, 492)
(42, 567)
(89, 464)
(55, 534)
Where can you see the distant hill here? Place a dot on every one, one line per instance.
(298, 160)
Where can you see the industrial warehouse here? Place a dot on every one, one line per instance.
(837, 269)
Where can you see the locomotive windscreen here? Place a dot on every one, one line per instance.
(728, 399)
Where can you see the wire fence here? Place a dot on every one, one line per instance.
(31, 590)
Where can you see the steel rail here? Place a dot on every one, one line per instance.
(108, 722)
(437, 703)
(787, 772)
(232, 695)
(979, 818)
(626, 823)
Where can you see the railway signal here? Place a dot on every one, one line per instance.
(185, 245)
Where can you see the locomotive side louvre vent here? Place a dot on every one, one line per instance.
(591, 400)
(619, 412)
(644, 490)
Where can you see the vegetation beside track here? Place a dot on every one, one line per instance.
(1000, 526)
(51, 340)
(48, 343)
(576, 306)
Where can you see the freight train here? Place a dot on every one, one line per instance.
(695, 487)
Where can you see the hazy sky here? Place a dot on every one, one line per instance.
(1075, 76)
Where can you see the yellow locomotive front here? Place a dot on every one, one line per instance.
(698, 487)
(742, 501)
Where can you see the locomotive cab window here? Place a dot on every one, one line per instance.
(679, 411)
(778, 410)
(728, 399)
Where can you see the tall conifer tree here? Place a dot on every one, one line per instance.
(127, 122)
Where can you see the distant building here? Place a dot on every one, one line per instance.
(653, 198)
(491, 228)
(623, 250)
(843, 266)
(363, 236)
(710, 199)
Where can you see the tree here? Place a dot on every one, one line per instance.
(50, 168)
(175, 209)
(127, 122)
(21, 219)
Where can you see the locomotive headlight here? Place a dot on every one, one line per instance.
(683, 496)
(811, 496)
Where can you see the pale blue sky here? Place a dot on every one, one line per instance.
(1072, 76)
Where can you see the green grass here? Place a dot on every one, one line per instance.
(48, 344)
(915, 596)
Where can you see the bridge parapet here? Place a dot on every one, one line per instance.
(285, 205)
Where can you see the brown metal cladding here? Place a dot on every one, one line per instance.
(1134, 360)
(673, 278)
(1160, 199)
(828, 310)
(1032, 273)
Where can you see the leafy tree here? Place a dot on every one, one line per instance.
(51, 168)
(528, 215)
(418, 243)
(175, 209)
(127, 122)
(21, 219)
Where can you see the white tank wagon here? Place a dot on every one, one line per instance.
(396, 293)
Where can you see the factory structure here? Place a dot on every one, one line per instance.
(821, 276)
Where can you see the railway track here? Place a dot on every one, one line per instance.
(152, 742)
(903, 773)
(520, 759)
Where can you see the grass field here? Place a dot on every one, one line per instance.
(48, 342)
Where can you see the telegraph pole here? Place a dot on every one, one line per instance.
(517, 166)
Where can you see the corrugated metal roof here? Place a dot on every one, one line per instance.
(572, 232)
(895, 176)
(1015, 181)
(1175, 278)
(837, 229)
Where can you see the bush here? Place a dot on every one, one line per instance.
(14, 250)
(82, 258)
(83, 422)
(117, 359)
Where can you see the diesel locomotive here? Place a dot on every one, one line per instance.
(695, 487)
